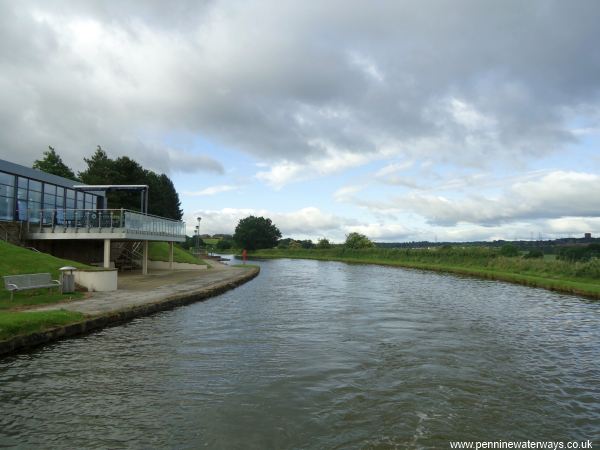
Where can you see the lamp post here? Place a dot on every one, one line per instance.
(198, 233)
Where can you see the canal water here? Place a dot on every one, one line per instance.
(320, 355)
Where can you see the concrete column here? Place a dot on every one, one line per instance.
(106, 264)
(171, 255)
(145, 258)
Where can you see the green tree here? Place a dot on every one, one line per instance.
(295, 245)
(284, 243)
(224, 244)
(253, 233)
(100, 169)
(323, 243)
(163, 198)
(357, 240)
(53, 163)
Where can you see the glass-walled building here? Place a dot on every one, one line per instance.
(25, 192)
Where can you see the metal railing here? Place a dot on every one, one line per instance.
(103, 221)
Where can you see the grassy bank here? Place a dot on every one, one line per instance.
(159, 251)
(19, 323)
(581, 278)
(13, 319)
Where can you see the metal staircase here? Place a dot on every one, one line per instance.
(127, 255)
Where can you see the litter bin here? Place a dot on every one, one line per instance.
(67, 279)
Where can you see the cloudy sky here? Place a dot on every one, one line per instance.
(403, 120)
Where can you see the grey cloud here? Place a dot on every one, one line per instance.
(278, 89)
(554, 196)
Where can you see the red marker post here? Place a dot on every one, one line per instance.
(244, 255)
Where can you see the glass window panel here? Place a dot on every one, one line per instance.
(60, 202)
(60, 216)
(79, 203)
(6, 208)
(35, 196)
(22, 209)
(49, 198)
(23, 182)
(70, 203)
(22, 194)
(6, 191)
(7, 178)
(60, 192)
(34, 211)
(35, 185)
(49, 189)
(70, 193)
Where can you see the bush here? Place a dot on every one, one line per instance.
(509, 250)
(307, 244)
(357, 240)
(534, 253)
(224, 244)
(295, 245)
(579, 253)
(323, 243)
(284, 243)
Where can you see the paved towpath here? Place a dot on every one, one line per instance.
(158, 286)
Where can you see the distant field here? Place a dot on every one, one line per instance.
(211, 241)
(582, 278)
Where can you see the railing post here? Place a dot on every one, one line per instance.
(122, 218)
(41, 219)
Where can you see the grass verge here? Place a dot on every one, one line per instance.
(35, 297)
(574, 278)
(13, 319)
(21, 323)
(17, 260)
(159, 251)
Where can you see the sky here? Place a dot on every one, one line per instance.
(403, 120)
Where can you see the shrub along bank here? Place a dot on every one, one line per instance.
(579, 277)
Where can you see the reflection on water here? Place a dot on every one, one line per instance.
(320, 355)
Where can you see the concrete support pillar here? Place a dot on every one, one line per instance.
(145, 258)
(106, 263)
(171, 255)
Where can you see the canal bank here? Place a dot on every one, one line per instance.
(580, 279)
(138, 295)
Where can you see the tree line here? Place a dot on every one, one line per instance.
(163, 198)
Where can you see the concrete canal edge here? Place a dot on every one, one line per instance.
(95, 323)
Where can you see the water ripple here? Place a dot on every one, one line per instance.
(320, 355)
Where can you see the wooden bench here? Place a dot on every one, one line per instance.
(29, 281)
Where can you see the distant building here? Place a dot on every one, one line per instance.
(587, 236)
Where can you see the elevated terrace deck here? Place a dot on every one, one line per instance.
(114, 224)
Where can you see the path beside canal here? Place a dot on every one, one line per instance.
(137, 295)
(158, 286)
